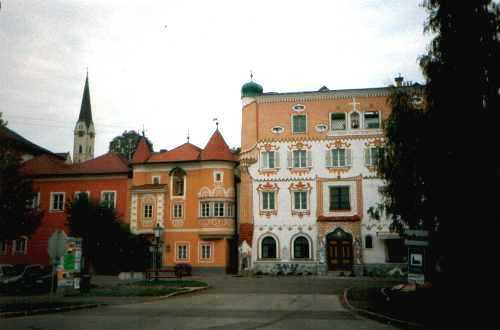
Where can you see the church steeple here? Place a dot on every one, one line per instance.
(84, 136)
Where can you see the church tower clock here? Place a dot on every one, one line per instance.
(84, 134)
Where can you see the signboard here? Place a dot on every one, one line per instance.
(57, 245)
(418, 243)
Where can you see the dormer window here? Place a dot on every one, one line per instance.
(338, 121)
(372, 119)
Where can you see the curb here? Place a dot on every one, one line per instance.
(47, 310)
(189, 290)
(377, 316)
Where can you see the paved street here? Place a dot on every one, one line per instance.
(232, 303)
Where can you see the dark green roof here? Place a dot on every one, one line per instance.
(251, 88)
(85, 109)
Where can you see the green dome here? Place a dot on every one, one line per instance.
(251, 88)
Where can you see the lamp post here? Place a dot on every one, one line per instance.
(158, 231)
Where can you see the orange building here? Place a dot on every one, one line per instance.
(105, 179)
(190, 192)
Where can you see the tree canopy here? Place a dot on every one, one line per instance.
(108, 245)
(19, 216)
(126, 144)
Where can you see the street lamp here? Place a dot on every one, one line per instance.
(158, 231)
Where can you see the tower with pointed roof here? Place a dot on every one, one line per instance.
(84, 134)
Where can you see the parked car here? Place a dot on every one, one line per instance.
(27, 278)
(6, 270)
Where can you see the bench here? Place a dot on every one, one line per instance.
(163, 273)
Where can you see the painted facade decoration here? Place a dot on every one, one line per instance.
(190, 192)
(306, 187)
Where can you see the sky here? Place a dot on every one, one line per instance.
(171, 67)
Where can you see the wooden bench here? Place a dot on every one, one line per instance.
(163, 273)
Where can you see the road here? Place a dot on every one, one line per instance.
(231, 303)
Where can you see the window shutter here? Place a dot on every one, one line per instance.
(276, 159)
(309, 158)
(328, 158)
(261, 160)
(290, 159)
(367, 156)
(348, 159)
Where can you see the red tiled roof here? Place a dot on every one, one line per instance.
(50, 165)
(142, 153)
(217, 149)
(185, 152)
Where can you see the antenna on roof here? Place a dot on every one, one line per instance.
(143, 131)
(188, 136)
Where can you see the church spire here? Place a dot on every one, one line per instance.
(85, 109)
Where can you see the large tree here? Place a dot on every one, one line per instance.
(127, 143)
(108, 245)
(18, 215)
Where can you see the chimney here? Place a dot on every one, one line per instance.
(399, 80)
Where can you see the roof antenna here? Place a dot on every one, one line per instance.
(188, 136)
(143, 131)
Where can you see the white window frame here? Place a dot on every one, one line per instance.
(292, 249)
(14, 246)
(176, 208)
(369, 156)
(347, 158)
(147, 214)
(35, 202)
(345, 122)
(209, 213)
(299, 152)
(156, 177)
(211, 249)
(297, 115)
(177, 255)
(52, 195)
(300, 202)
(365, 125)
(184, 187)
(229, 210)
(109, 192)
(262, 201)
(265, 160)
(217, 208)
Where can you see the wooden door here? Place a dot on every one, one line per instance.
(340, 256)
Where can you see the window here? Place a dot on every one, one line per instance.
(299, 123)
(301, 248)
(268, 200)
(355, 120)
(277, 129)
(182, 252)
(178, 184)
(148, 211)
(338, 121)
(300, 200)
(177, 210)
(368, 242)
(82, 194)
(205, 209)
(230, 210)
(80, 148)
(218, 209)
(20, 246)
(268, 248)
(298, 107)
(218, 176)
(35, 202)
(156, 179)
(299, 158)
(206, 251)
(339, 158)
(372, 119)
(3, 248)
(372, 156)
(108, 199)
(57, 201)
(339, 198)
(269, 160)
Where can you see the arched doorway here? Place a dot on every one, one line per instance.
(339, 250)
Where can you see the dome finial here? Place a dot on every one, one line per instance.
(251, 75)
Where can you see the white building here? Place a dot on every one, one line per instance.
(308, 180)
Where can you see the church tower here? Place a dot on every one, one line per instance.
(83, 148)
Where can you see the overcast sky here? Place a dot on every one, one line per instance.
(171, 66)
